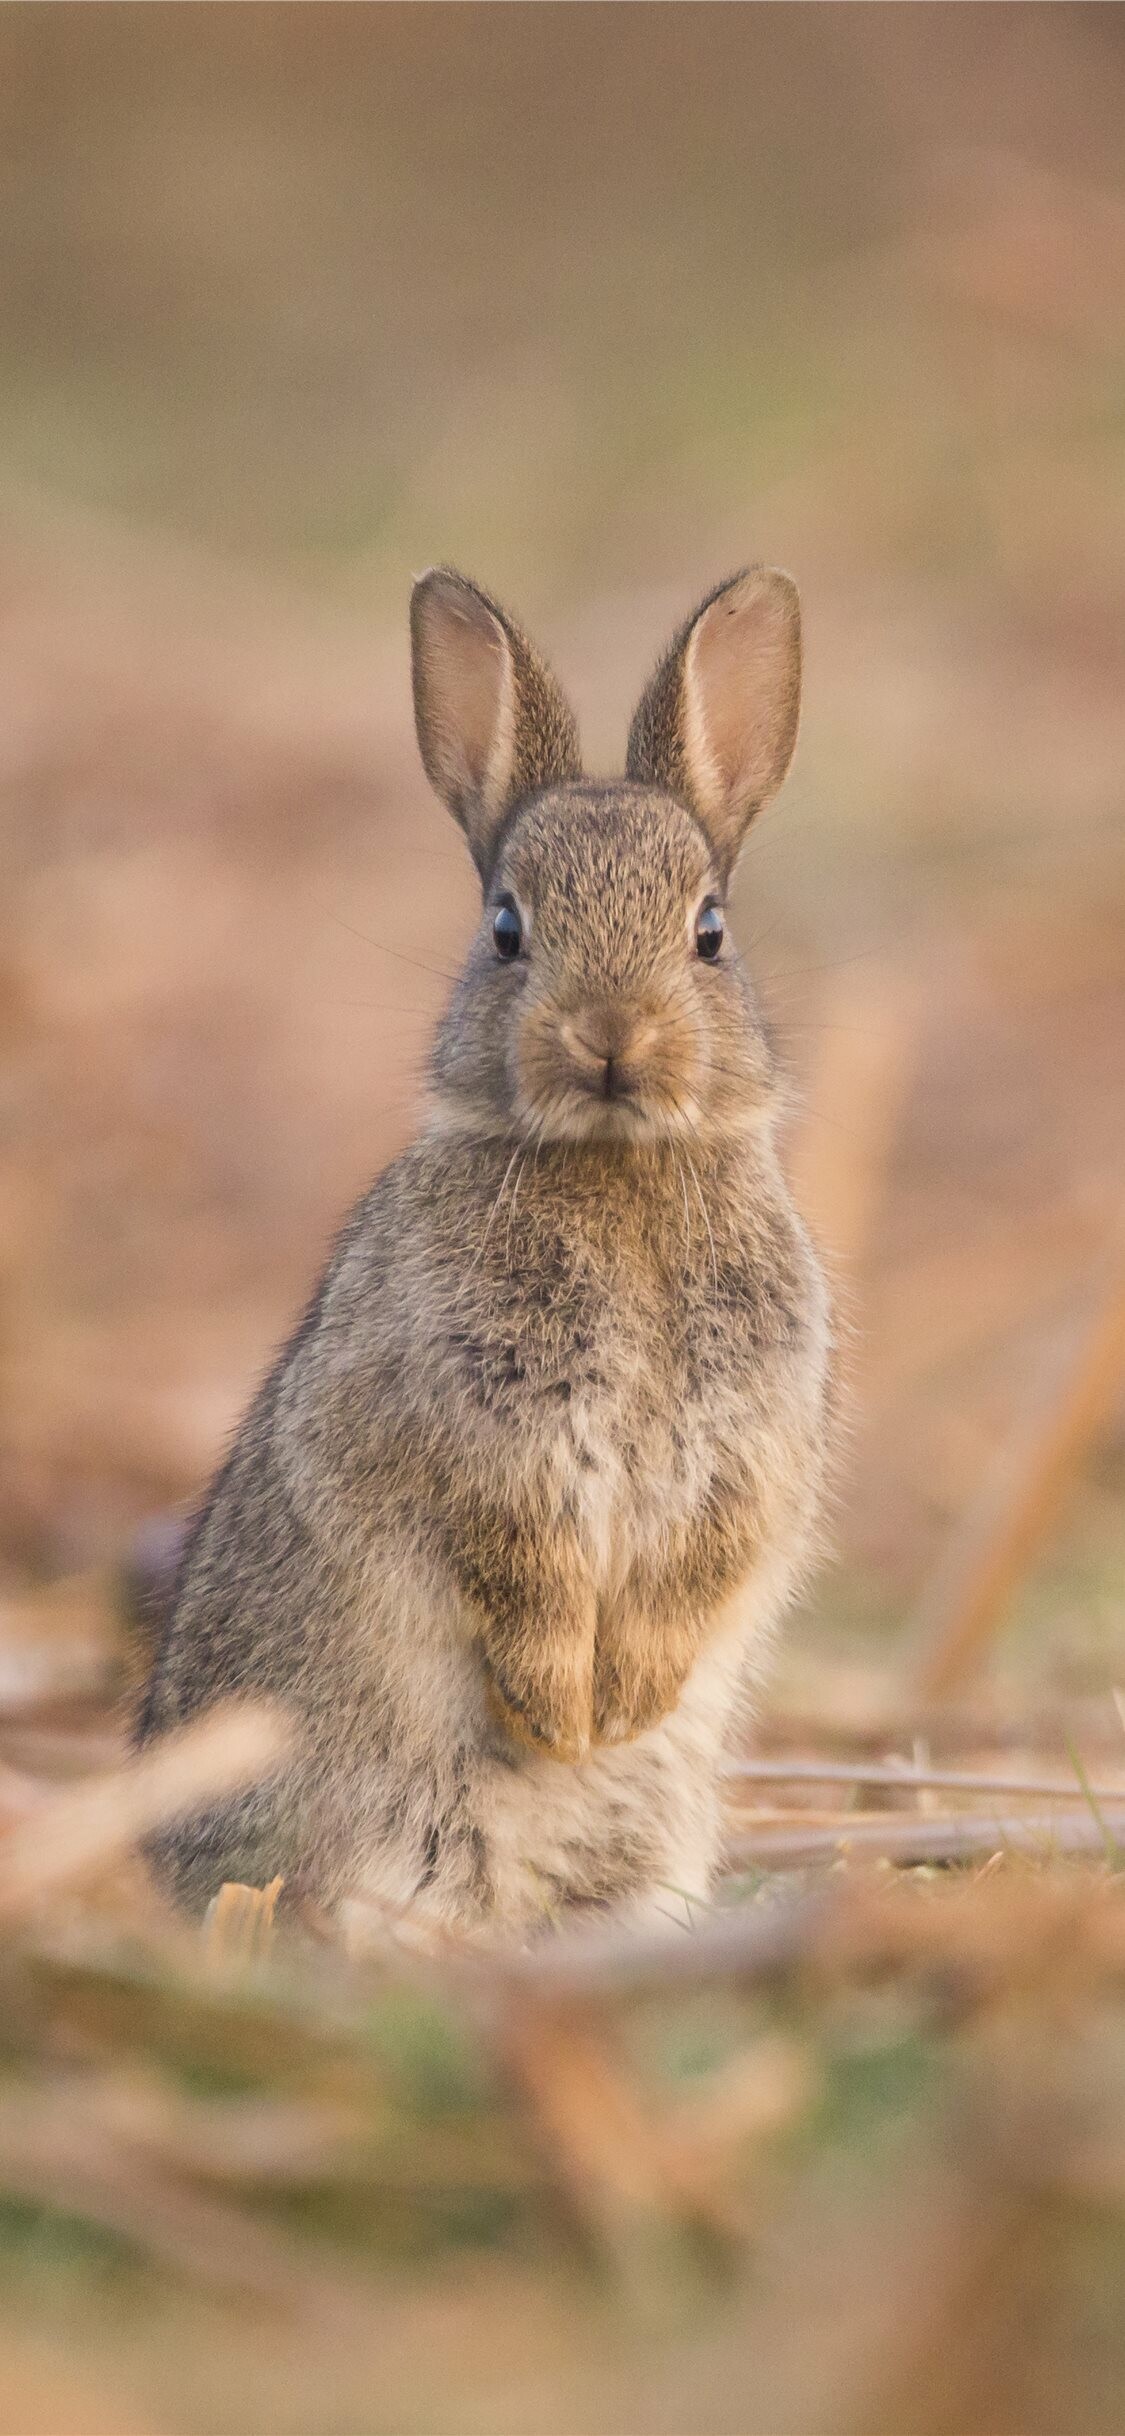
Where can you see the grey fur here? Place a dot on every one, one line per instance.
(510, 1524)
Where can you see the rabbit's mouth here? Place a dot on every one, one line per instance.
(607, 1069)
(628, 1115)
(593, 1082)
(606, 1058)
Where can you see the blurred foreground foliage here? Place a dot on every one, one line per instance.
(844, 2150)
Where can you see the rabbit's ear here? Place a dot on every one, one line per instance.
(492, 723)
(717, 722)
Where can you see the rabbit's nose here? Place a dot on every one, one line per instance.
(603, 1039)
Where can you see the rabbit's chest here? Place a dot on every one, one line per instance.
(634, 1449)
(627, 1477)
(619, 1388)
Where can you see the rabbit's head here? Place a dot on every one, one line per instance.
(603, 995)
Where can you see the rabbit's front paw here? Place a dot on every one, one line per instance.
(546, 1707)
(638, 1678)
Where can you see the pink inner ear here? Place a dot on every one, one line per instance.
(744, 689)
(464, 657)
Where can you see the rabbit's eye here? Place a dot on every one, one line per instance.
(507, 931)
(709, 933)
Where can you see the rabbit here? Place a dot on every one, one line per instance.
(509, 1527)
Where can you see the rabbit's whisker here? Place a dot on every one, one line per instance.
(495, 1206)
(808, 1108)
(851, 1031)
(733, 1074)
(703, 1205)
(417, 964)
(512, 1210)
(378, 1006)
(538, 1138)
(813, 972)
(758, 940)
(679, 1165)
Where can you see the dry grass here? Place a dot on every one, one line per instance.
(620, 2147)
(895, 2045)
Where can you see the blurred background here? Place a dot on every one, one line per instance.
(598, 303)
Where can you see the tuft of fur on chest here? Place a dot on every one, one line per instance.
(627, 1477)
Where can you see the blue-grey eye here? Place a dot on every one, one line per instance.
(507, 931)
(709, 933)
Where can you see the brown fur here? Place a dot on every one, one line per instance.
(717, 723)
(511, 1522)
(483, 754)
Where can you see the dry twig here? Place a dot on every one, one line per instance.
(891, 1777)
(76, 1835)
(908, 1840)
(994, 1546)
